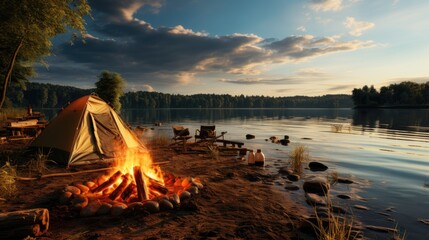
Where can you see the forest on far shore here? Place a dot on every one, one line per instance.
(395, 95)
(403, 94)
(41, 95)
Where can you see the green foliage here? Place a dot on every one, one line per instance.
(404, 93)
(28, 27)
(110, 88)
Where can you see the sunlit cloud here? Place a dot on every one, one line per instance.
(357, 27)
(326, 5)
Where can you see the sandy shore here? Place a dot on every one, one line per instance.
(237, 202)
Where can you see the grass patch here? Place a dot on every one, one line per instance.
(337, 128)
(40, 163)
(333, 177)
(333, 226)
(297, 157)
(8, 187)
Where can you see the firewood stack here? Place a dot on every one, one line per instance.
(119, 192)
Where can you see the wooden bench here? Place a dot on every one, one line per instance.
(229, 142)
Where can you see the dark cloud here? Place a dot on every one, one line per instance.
(139, 51)
(341, 87)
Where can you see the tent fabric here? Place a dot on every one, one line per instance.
(86, 131)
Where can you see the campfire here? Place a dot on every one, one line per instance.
(135, 183)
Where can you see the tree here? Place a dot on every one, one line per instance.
(110, 88)
(28, 27)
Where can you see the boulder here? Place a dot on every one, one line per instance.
(284, 142)
(165, 205)
(104, 209)
(118, 209)
(344, 180)
(151, 206)
(343, 196)
(65, 197)
(90, 209)
(317, 185)
(317, 166)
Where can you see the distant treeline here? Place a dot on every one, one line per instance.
(55, 96)
(394, 95)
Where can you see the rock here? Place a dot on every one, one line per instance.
(381, 229)
(65, 197)
(175, 200)
(193, 190)
(79, 201)
(151, 206)
(315, 200)
(118, 209)
(361, 207)
(273, 139)
(165, 205)
(291, 187)
(285, 171)
(197, 184)
(293, 177)
(344, 180)
(343, 196)
(250, 136)
(135, 206)
(90, 209)
(83, 188)
(284, 142)
(317, 185)
(73, 189)
(104, 209)
(317, 166)
(184, 196)
(338, 210)
(286, 137)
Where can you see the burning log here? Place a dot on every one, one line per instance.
(128, 191)
(20, 224)
(142, 190)
(109, 182)
(126, 180)
(157, 186)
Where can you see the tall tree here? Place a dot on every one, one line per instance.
(110, 88)
(28, 27)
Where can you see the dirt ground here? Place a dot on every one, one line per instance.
(237, 202)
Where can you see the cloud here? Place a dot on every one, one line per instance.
(163, 56)
(311, 72)
(341, 88)
(256, 81)
(123, 10)
(356, 27)
(326, 5)
(406, 79)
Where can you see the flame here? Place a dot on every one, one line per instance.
(132, 158)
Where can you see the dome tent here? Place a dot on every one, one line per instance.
(86, 131)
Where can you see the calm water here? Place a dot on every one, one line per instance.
(386, 152)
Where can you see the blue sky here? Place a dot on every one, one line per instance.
(252, 47)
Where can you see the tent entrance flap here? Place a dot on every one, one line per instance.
(106, 133)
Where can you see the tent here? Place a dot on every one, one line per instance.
(85, 131)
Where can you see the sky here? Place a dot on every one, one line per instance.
(250, 47)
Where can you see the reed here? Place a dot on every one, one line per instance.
(213, 152)
(297, 157)
(334, 227)
(8, 187)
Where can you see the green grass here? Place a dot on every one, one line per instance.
(8, 187)
(297, 157)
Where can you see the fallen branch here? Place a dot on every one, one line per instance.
(62, 174)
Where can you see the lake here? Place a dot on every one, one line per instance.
(384, 151)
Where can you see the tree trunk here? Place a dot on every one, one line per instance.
(20, 224)
(9, 72)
